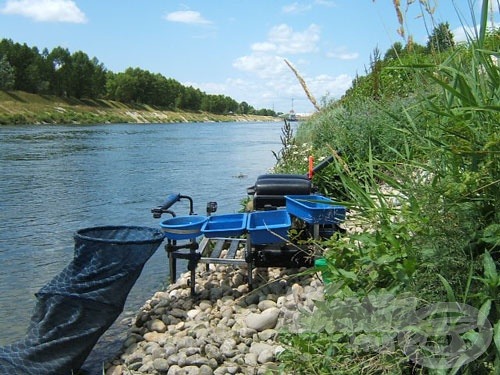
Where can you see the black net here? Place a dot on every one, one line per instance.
(82, 302)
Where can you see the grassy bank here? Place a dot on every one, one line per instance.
(17, 107)
(419, 171)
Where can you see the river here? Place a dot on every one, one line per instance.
(58, 179)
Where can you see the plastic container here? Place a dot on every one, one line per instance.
(231, 225)
(315, 209)
(183, 227)
(322, 265)
(267, 227)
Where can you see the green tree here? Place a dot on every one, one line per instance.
(441, 38)
(81, 71)
(98, 88)
(244, 108)
(189, 98)
(7, 76)
(394, 52)
(169, 91)
(60, 59)
(26, 63)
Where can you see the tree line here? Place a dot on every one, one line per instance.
(62, 73)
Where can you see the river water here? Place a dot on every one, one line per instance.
(58, 179)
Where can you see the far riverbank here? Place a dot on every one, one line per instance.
(17, 107)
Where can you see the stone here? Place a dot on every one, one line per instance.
(257, 347)
(151, 347)
(251, 359)
(115, 370)
(205, 305)
(146, 368)
(205, 370)
(134, 366)
(226, 329)
(266, 304)
(157, 325)
(222, 370)
(181, 359)
(196, 360)
(212, 351)
(280, 302)
(247, 332)
(265, 356)
(242, 348)
(226, 311)
(169, 350)
(268, 334)
(191, 314)
(265, 320)
(178, 313)
(216, 293)
(174, 370)
(228, 348)
(185, 342)
(191, 370)
(157, 337)
(252, 298)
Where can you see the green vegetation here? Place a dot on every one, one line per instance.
(415, 282)
(19, 107)
(75, 76)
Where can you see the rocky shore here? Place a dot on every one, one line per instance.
(225, 329)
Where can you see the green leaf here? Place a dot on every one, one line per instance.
(491, 234)
(490, 269)
(347, 274)
(449, 291)
(496, 337)
(484, 311)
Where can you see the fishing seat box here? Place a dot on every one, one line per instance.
(270, 190)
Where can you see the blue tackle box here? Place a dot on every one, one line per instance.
(230, 225)
(315, 209)
(267, 227)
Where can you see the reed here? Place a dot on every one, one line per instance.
(422, 181)
(304, 86)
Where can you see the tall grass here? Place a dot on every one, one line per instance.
(421, 175)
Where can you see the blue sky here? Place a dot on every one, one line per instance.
(233, 47)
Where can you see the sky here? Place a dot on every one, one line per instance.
(235, 48)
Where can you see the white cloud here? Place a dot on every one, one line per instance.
(46, 10)
(325, 84)
(342, 53)
(272, 82)
(296, 8)
(325, 3)
(269, 83)
(264, 47)
(289, 41)
(187, 16)
(460, 34)
(263, 66)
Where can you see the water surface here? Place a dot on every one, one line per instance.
(58, 179)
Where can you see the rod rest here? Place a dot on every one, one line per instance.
(169, 202)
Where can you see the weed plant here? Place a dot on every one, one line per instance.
(420, 175)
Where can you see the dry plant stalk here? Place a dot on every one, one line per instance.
(339, 158)
(397, 7)
(304, 86)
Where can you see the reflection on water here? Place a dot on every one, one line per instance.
(57, 179)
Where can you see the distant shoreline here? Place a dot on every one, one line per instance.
(21, 108)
